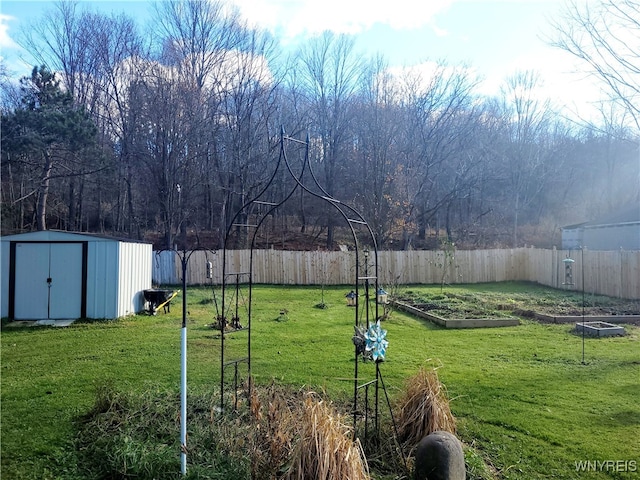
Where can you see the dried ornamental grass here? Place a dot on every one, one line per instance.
(423, 408)
(325, 450)
(272, 436)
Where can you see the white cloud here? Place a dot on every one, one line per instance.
(5, 39)
(10, 52)
(562, 80)
(293, 17)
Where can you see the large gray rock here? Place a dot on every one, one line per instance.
(439, 456)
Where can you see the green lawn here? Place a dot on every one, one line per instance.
(522, 395)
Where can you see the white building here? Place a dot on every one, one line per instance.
(617, 231)
(52, 275)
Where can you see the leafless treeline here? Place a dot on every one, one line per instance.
(189, 119)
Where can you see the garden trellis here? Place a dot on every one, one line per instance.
(292, 174)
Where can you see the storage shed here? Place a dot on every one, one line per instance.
(618, 230)
(53, 275)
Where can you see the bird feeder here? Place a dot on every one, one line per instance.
(382, 297)
(568, 271)
(209, 270)
(351, 298)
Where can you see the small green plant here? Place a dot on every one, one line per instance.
(448, 249)
(324, 268)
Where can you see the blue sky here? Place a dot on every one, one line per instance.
(495, 38)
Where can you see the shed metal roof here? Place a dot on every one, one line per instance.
(61, 235)
(625, 216)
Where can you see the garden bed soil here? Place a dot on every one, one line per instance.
(548, 306)
(545, 318)
(457, 322)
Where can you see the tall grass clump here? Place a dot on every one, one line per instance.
(272, 411)
(325, 449)
(136, 435)
(423, 408)
(114, 437)
(284, 434)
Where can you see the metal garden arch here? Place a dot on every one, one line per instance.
(258, 209)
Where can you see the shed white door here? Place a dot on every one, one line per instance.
(48, 281)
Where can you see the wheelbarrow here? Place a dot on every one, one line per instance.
(158, 298)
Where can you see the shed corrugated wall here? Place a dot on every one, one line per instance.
(4, 279)
(134, 267)
(102, 277)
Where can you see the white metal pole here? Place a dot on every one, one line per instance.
(183, 370)
(183, 402)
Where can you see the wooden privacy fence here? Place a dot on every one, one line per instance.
(613, 273)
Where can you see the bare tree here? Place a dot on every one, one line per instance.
(606, 36)
(121, 62)
(248, 119)
(214, 80)
(524, 154)
(196, 38)
(376, 127)
(96, 55)
(605, 164)
(329, 74)
(9, 90)
(162, 159)
(437, 127)
(64, 39)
